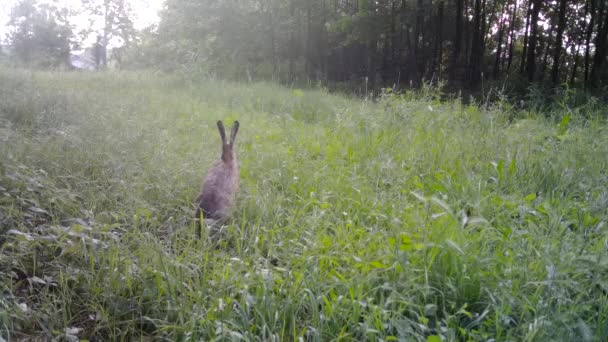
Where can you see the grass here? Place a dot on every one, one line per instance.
(404, 219)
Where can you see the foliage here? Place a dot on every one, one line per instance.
(115, 17)
(395, 43)
(406, 219)
(40, 34)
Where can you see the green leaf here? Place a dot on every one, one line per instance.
(563, 125)
(377, 264)
(513, 166)
(433, 338)
(419, 197)
(531, 197)
(500, 169)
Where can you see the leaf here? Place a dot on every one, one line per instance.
(418, 246)
(72, 331)
(500, 169)
(477, 221)
(404, 245)
(38, 210)
(563, 125)
(76, 228)
(328, 306)
(28, 237)
(454, 246)
(377, 264)
(442, 204)
(419, 197)
(430, 310)
(433, 338)
(531, 197)
(438, 215)
(513, 166)
(37, 280)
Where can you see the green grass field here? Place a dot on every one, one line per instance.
(405, 219)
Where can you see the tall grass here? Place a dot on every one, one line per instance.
(405, 219)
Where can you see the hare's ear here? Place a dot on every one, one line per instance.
(220, 127)
(233, 131)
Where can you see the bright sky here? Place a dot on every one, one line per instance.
(146, 12)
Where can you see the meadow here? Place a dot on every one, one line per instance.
(410, 218)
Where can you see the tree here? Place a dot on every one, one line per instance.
(379, 43)
(512, 25)
(561, 26)
(531, 56)
(588, 34)
(476, 46)
(40, 34)
(116, 23)
(497, 60)
(526, 37)
(601, 45)
(457, 37)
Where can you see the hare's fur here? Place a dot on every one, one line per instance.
(219, 189)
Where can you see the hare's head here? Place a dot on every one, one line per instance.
(228, 154)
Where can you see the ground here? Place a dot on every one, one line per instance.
(407, 218)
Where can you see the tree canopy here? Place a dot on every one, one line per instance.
(392, 42)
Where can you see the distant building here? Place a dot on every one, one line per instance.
(84, 60)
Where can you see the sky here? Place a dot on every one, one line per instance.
(146, 12)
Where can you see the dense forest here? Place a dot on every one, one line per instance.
(386, 43)
(394, 42)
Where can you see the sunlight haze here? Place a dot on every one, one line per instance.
(146, 13)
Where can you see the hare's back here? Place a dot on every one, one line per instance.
(218, 191)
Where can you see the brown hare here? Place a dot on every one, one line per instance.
(219, 189)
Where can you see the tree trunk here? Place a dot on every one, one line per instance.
(272, 41)
(394, 59)
(476, 47)
(561, 26)
(547, 50)
(307, 55)
(292, 42)
(107, 28)
(371, 51)
(588, 40)
(600, 50)
(419, 42)
(467, 40)
(496, 71)
(512, 36)
(577, 42)
(531, 58)
(524, 55)
(575, 66)
(457, 39)
(437, 54)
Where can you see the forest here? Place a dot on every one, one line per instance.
(341, 44)
(396, 43)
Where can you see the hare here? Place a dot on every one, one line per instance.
(219, 189)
